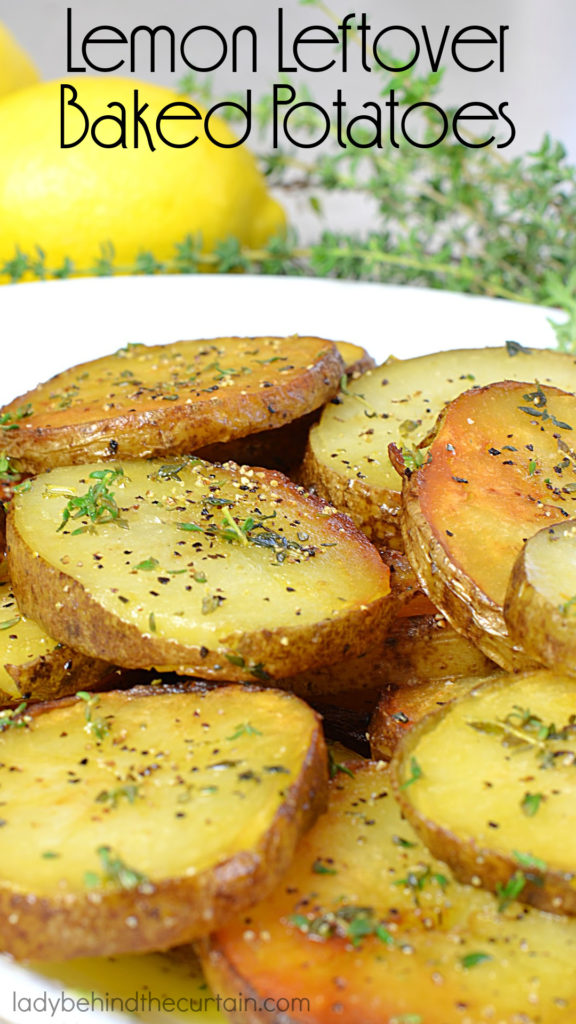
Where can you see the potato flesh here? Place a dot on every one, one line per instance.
(247, 587)
(550, 566)
(21, 639)
(421, 974)
(202, 789)
(475, 786)
(484, 488)
(400, 401)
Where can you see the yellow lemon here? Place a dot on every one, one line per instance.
(16, 68)
(70, 202)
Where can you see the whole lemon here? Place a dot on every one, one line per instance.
(16, 68)
(71, 202)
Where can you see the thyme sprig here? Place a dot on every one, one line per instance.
(522, 730)
(347, 922)
(98, 504)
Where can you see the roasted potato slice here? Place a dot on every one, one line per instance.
(169, 399)
(498, 469)
(347, 458)
(415, 648)
(35, 666)
(400, 708)
(283, 448)
(186, 805)
(489, 784)
(368, 926)
(224, 572)
(539, 607)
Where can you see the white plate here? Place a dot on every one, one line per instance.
(47, 327)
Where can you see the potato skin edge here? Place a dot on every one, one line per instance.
(470, 863)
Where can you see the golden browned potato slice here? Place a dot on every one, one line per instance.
(35, 666)
(416, 648)
(283, 448)
(368, 927)
(400, 708)
(221, 571)
(149, 817)
(169, 399)
(347, 459)
(490, 785)
(540, 603)
(498, 469)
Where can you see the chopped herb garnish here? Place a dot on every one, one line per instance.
(152, 622)
(514, 347)
(473, 959)
(415, 774)
(245, 729)
(418, 877)
(531, 803)
(115, 870)
(49, 855)
(9, 623)
(259, 672)
(319, 868)
(348, 922)
(404, 843)
(527, 860)
(95, 726)
(113, 796)
(510, 891)
(98, 504)
(413, 458)
(148, 565)
(14, 718)
(236, 659)
(334, 767)
(522, 729)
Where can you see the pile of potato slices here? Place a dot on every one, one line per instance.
(223, 554)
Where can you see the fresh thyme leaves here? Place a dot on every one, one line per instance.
(8, 470)
(98, 504)
(413, 458)
(523, 730)
(334, 766)
(527, 860)
(530, 803)
(10, 623)
(112, 797)
(538, 409)
(320, 868)
(514, 348)
(567, 606)
(14, 718)
(510, 891)
(97, 727)
(417, 878)
(114, 870)
(9, 421)
(172, 470)
(347, 922)
(473, 959)
(415, 774)
(148, 565)
(250, 531)
(244, 729)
